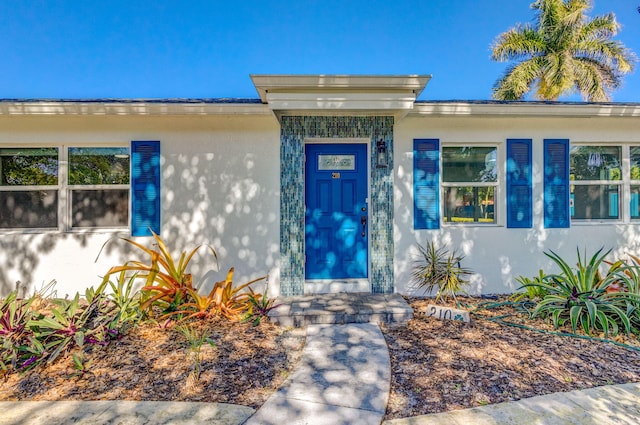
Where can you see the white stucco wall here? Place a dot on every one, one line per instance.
(220, 186)
(495, 254)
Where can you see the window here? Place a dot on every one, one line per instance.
(98, 187)
(29, 188)
(469, 184)
(595, 174)
(81, 188)
(634, 156)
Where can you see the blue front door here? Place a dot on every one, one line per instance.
(336, 215)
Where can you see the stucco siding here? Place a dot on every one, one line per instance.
(220, 186)
(497, 254)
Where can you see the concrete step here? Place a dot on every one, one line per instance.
(340, 308)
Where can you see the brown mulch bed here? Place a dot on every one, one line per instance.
(440, 365)
(436, 365)
(244, 366)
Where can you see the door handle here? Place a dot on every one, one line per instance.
(363, 221)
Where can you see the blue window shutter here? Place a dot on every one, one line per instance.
(426, 176)
(556, 183)
(519, 184)
(145, 188)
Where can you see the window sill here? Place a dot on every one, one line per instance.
(106, 230)
(598, 222)
(468, 224)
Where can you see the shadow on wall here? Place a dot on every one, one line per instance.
(228, 200)
(498, 255)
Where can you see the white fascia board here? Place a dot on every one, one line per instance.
(282, 83)
(526, 109)
(341, 101)
(130, 108)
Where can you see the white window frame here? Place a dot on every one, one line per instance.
(31, 188)
(624, 194)
(64, 189)
(67, 188)
(498, 204)
(628, 182)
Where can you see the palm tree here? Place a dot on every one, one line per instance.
(565, 51)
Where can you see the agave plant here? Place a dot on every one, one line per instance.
(531, 292)
(439, 268)
(629, 284)
(579, 295)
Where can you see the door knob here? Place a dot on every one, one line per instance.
(363, 221)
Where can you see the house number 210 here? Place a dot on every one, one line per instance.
(446, 313)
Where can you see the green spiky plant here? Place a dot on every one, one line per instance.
(439, 268)
(578, 296)
(629, 284)
(195, 338)
(531, 292)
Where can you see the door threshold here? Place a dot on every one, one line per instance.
(334, 286)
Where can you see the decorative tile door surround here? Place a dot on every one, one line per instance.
(294, 130)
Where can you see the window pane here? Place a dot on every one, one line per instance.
(469, 204)
(100, 208)
(635, 162)
(595, 202)
(29, 209)
(635, 201)
(595, 163)
(98, 166)
(466, 164)
(29, 167)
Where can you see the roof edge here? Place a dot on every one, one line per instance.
(133, 107)
(525, 108)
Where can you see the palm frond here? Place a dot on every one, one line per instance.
(578, 52)
(518, 43)
(518, 80)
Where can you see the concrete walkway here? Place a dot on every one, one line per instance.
(610, 405)
(121, 412)
(343, 378)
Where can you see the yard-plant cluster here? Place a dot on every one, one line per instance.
(595, 295)
(38, 329)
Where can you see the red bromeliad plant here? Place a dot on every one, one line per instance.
(167, 283)
(169, 286)
(232, 302)
(223, 299)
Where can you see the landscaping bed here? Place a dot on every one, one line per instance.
(244, 366)
(446, 365)
(436, 365)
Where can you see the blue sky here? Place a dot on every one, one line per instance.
(203, 49)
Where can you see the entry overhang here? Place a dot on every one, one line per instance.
(340, 94)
